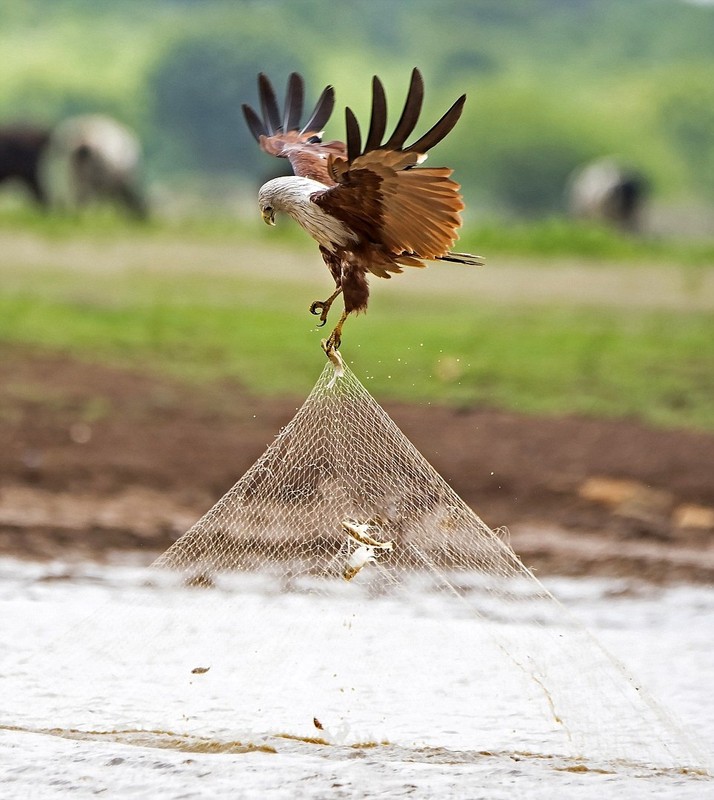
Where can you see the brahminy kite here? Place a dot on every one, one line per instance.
(370, 209)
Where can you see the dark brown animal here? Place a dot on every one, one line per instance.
(21, 151)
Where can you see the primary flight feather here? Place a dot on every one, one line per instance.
(370, 209)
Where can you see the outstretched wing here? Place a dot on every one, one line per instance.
(284, 136)
(380, 194)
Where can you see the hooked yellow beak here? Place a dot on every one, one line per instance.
(268, 215)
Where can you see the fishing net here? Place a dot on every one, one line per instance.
(341, 592)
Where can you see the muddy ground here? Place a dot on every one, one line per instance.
(96, 460)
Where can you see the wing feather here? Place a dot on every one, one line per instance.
(255, 123)
(282, 136)
(383, 196)
(378, 121)
(322, 112)
(293, 103)
(268, 104)
(410, 114)
(354, 138)
(442, 128)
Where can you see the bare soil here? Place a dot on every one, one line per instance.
(96, 460)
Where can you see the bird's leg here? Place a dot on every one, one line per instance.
(335, 339)
(323, 307)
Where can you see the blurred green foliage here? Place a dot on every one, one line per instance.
(197, 89)
(687, 118)
(551, 83)
(521, 148)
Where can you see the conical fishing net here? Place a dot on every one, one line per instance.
(342, 592)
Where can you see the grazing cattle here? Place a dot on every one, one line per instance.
(21, 150)
(606, 191)
(94, 158)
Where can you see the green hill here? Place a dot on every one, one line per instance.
(551, 83)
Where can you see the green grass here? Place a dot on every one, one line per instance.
(654, 366)
(559, 237)
(538, 240)
(105, 223)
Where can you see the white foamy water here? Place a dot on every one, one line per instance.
(119, 682)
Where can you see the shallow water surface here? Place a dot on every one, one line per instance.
(118, 683)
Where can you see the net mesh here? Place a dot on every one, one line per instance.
(342, 592)
(343, 508)
(340, 474)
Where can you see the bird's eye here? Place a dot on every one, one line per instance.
(268, 209)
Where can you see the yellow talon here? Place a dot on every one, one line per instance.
(323, 307)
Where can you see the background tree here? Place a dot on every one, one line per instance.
(196, 90)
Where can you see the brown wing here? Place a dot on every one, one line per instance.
(381, 195)
(284, 136)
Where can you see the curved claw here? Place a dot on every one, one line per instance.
(335, 339)
(322, 308)
(333, 342)
(331, 347)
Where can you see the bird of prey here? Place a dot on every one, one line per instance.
(370, 208)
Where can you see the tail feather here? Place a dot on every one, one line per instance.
(463, 258)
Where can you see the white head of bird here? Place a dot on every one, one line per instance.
(292, 195)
